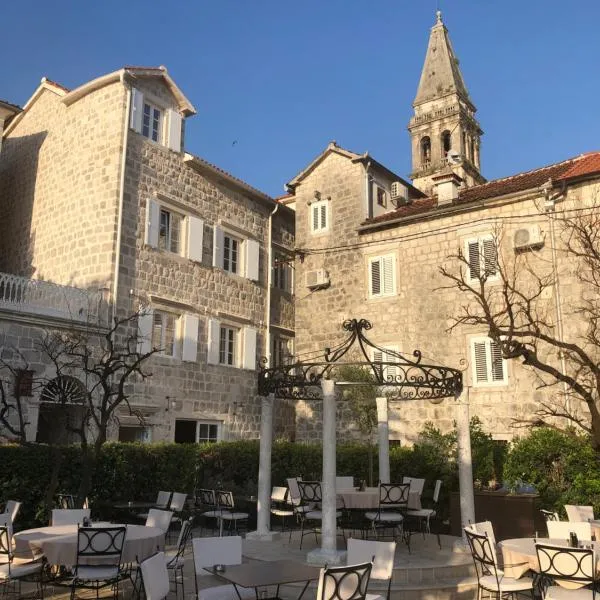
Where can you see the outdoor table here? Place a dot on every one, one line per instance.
(59, 543)
(369, 499)
(134, 505)
(268, 573)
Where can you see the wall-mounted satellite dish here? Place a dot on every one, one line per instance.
(453, 157)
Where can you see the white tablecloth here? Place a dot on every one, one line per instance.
(369, 499)
(59, 544)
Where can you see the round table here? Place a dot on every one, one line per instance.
(59, 543)
(369, 499)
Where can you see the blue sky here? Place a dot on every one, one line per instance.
(281, 79)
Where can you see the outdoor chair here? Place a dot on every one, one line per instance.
(102, 546)
(159, 518)
(211, 551)
(549, 515)
(12, 573)
(311, 497)
(12, 509)
(393, 501)
(175, 558)
(155, 577)
(381, 553)
(579, 513)
(177, 506)
(279, 505)
(424, 515)
(416, 484)
(489, 577)
(561, 530)
(70, 516)
(349, 582)
(226, 505)
(65, 501)
(206, 503)
(571, 568)
(344, 483)
(162, 502)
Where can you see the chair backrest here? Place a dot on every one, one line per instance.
(381, 553)
(436, 490)
(310, 491)
(155, 576)
(65, 501)
(206, 497)
(177, 502)
(416, 484)
(561, 530)
(163, 498)
(159, 518)
(571, 568)
(6, 522)
(279, 494)
(344, 583)
(185, 534)
(12, 509)
(5, 544)
(224, 499)
(393, 495)
(209, 551)
(294, 490)
(103, 543)
(579, 513)
(549, 515)
(483, 553)
(69, 516)
(344, 483)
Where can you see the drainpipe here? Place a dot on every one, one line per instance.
(121, 198)
(269, 278)
(368, 191)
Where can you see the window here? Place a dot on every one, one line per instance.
(446, 143)
(381, 197)
(152, 122)
(134, 433)
(281, 350)
(282, 272)
(489, 368)
(318, 212)
(169, 233)
(188, 431)
(227, 342)
(382, 277)
(231, 254)
(208, 432)
(425, 150)
(483, 258)
(164, 332)
(386, 372)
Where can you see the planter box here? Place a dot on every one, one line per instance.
(513, 515)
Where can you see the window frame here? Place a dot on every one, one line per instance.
(229, 345)
(489, 366)
(228, 260)
(173, 218)
(481, 241)
(381, 191)
(199, 423)
(318, 205)
(176, 343)
(160, 130)
(386, 349)
(282, 272)
(277, 351)
(382, 281)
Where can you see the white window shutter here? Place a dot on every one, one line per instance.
(190, 338)
(315, 217)
(323, 216)
(388, 275)
(218, 247)
(137, 110)
(480, 361)
(144, 333)
(474, 259)
(195, 236)
(249, 354)
(214, 328)
(497, 362)
(375, 277)
(252, 254)
(174, 130)
(152, 222)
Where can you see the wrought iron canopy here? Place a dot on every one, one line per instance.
(401, 377)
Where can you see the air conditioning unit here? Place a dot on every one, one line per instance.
(317, 278)
(398, 194)
(528, 237)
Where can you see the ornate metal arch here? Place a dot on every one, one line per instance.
(64, 390)
(403, 377)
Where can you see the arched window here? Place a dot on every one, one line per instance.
(64, 390)
(425, 150)
(446, 143)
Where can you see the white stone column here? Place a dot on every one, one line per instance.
(263, 509)
(328, 552)
(383, 430)
(465, 463)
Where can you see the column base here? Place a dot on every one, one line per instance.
(461, 545)
(326, 557)
(263, 536)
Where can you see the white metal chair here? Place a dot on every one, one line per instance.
(226, 505)
(549, 515)
(381, 553)
(162, 502)
(579, 512)
(349, 582)
(12, 509)
(11, 573)
(311, 496)
(279, 505)
(69, 516)
(561, 530)
(206, 504)
(570, 568)
(416, 484)
(393, 500)
(65, 501)
(175, 558)
(424, 515)
(159, 518)
(344, 483)
(176, 506)
(155, 577)
(489, 577)
(211, 551)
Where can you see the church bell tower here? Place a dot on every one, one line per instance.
(445, 135)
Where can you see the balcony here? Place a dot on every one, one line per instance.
(38, 298)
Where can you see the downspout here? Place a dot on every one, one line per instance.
(368, 191)
(269, 281)
(121, 198)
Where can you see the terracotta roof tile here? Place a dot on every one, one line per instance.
(584, 164)
(11, 105)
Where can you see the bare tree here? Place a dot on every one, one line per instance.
(514, 296)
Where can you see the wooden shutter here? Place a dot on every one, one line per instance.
(217, 247)
(323, 211)
(480, 361)
(252, 258)
(315, 217)
(249, 352)
(195, 237)
(474, 259)
(137, 110)
(391, 370)
(152, 222)
(189, 332)
(490, 257)
(375, 277)
(388, 274)
(214, 329)
(144, 335)
(497, 369)
(174, 130)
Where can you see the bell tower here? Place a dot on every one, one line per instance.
(445, 134)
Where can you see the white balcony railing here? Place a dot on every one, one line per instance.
(42, 298)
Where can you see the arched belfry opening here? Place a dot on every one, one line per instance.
(446, 144)
(425, 150)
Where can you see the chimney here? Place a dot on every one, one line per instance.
(446, 185)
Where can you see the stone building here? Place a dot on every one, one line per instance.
(99, 195)
(370, 245)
